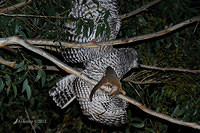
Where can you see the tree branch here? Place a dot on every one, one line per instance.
(113, 42)
(30, 121)
(142, 8)
(68, 69)
(31, 67)
(13, 7)
(170, 69)
(32, 16)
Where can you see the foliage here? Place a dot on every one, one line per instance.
(23, 89)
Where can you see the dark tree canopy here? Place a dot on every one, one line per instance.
(24, 91)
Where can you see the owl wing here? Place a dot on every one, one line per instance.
(80, 55)
(63, 93)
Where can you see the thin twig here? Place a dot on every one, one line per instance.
(142, 8)
(169, 69)
(29, 120)
(32, 16)
(14, 7)
(31, 67)
(68, 69)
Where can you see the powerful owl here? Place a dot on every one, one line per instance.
(97, 105)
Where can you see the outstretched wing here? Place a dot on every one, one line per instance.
(63, 93)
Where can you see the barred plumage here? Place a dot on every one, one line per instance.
(103, 108)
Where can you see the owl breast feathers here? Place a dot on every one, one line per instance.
(104, 108)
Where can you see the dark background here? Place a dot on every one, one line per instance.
(23, 90)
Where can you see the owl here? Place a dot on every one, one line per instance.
(103, 107)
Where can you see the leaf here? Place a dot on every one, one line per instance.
(91, 24)
(20, 69)
(96, 2)
(25, 84)
(1, 85)
(27, 88)
(38, 61)
(107, 14)
(98, 30)
(15, 90)
(39, 74)
(85, 31)
(8, 80)
(43, 78)
(8, 90)
(22, 34)
(21, 79)
(19, 65)
(102, 29)
(28, 92)
(138, 125)
(16, 28)
(79, 25)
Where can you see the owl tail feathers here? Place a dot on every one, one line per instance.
(63, 93)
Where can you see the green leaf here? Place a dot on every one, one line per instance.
(22, 34)
(38, 61)
(20, 69)
(85, 31)
(98, 30)
(27, 88)
(8, 90)
(15, 90)
(28, 92)
(43, 78)
(39, 74)
(25, 85)
(107, 14)
(102, 29)
(96, 2)
(8, 80)
(16, 28)
(91, 24)
(79, 25)
(1, 85)
(19, 65)
(21, 79)
(138, 125)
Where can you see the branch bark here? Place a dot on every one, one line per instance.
(29, 121)
(114, 42)
(68, 69)
(32, 16)
(170, 69)
(13, 7)
(142, 8)
(31, 67)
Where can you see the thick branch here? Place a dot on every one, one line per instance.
(142, 8)
(170, 69)
(159, 115)
(68, 69)
(115, 42)
(13, 7)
